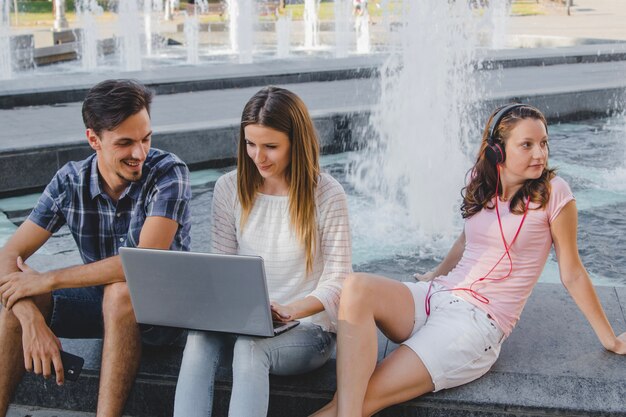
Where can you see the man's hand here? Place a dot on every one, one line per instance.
(25, 283)
(41, 349)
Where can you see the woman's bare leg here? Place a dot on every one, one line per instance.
(400, 377)
(367, 301)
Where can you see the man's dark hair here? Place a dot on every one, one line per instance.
(110, 102)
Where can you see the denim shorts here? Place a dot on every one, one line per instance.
(77, 314)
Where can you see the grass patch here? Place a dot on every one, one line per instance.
(526, 8)
(326, 11)
(47, 19)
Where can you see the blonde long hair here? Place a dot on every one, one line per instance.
(282, 110)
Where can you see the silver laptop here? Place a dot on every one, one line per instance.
(200, 291)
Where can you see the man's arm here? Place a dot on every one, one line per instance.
(41, 347)
(37, 338)
(26, 240)
(157, 233)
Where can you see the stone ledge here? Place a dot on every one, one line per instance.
(551, 365)
(212, 145)
(72, 87)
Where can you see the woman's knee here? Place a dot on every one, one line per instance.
(202, 346)
(357, 289)
(251, 353)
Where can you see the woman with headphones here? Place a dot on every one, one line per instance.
(451, 324)
(277, 205)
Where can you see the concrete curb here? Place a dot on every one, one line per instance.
(67, 88)
(551, 365)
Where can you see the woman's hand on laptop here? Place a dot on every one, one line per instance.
(282, 313)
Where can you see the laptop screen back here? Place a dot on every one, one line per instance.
(200, 291)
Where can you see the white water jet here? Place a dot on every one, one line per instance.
(342, 9)
(283, 36)
(86, 12)
(498, 15)
(311, 36)
(233, 21)
(147, 25)
(6, 70)
(240, 29)
(362, 30)
(383, 5)
(245, 28)
(425, 129)
(129, 29)
(191, 38)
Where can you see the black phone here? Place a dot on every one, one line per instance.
(72, 365)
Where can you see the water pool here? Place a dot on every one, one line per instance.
(590, 155)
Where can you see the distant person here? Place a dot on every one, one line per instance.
(452, 324)
(359, 7)
(277, 205)
(125, 194)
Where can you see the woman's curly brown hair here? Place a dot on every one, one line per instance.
(480, 191)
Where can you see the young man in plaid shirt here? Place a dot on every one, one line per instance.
(123, 195)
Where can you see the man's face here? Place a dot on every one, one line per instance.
(122, 151)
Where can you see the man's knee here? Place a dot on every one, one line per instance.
(116, 304)
(9, 321)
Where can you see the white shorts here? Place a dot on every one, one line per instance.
(458, 342)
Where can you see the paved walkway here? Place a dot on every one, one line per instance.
(599, 19)
(31, 127)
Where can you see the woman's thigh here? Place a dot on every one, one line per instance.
(301, 349)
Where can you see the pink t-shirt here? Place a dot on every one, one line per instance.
(484, 247)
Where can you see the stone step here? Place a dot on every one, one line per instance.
(551, 365)
(71, 87)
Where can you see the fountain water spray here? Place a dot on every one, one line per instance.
(342, 10)
(129, 28)
(425, 126)
(240, 28)
(245, 29)
(191, 38)
(233, 21)
(6, 70)
(498, 13)
(147, 25)
(362, 29)
(311, 37)
(283, 36)
(86, 11)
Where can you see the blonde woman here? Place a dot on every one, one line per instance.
(279, 206)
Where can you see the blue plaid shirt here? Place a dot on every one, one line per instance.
(100, 226)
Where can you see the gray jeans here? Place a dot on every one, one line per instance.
(299, 350)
